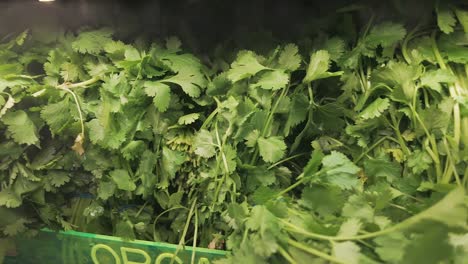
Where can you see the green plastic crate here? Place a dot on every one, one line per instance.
(72, 247)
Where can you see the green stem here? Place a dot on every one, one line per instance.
(314, 251)
(450, 160)
(456, 119)
(141, 209)
(401, 141)
(447, 170)
(399, 207)
(434, 151)
(434, 157)
(369, 24)
(404, 45)
(371, 148)
(78, 107)
(426, 98)
(254, 156)
(298, 139)
(244, 236)
(286, 159)
(453, 89)
(338, 144)
(209, 118)
(80, 84)
(194, 245)
(225, 164)
(268, 122)
(362, 100)
(464, 128)
(286, 255)
(184, 233)
(465, 178)
(164, 212)
(436, 52)
(291, 187)
(272, 112)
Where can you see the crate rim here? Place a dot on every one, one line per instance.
(165, 245)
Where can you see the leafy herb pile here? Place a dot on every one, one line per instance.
(349, 148)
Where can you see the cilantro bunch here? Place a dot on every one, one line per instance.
(351, 148)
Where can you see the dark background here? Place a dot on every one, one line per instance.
(200, 23)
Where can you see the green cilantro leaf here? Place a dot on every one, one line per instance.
(462, 16)
(161, 93)
(318, 67)
(335, 47)
(358, 207)
(188, 119)
(431, 247)
(298, 113)
(173, 44)
(350, 227)
(92, 42)
(9, 198)
(58, 116)
(145, 173)
(204, 144)
(246, 65)
(385, 34)
(171, 161)
(6, 105)
(289, 58)
(391, 247)
(419, 161)
(133, 149)
(263, 221)
(115, 47)
(252, 138)
(325, 200)
(445, 19)
(375, 109)
(265, 245)
(263, 195)
(453, 47)
(421, 50)
(347, 252)
(123, 180)
(381, 167)
(220, 85)
(401, 76)
(132, 54)
(125, 230)
(70, 72)
(434, 78)
(21, 127)
(340, 171)
(175, 199)
(272, 80)
(58, 178)
(230, 156)
(189, 81)
(313, 165)
(271, 149)
(96, 131)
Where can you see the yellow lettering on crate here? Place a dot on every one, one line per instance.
(103, 247)
(168, 256)
(126, 250)
(203, 261)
